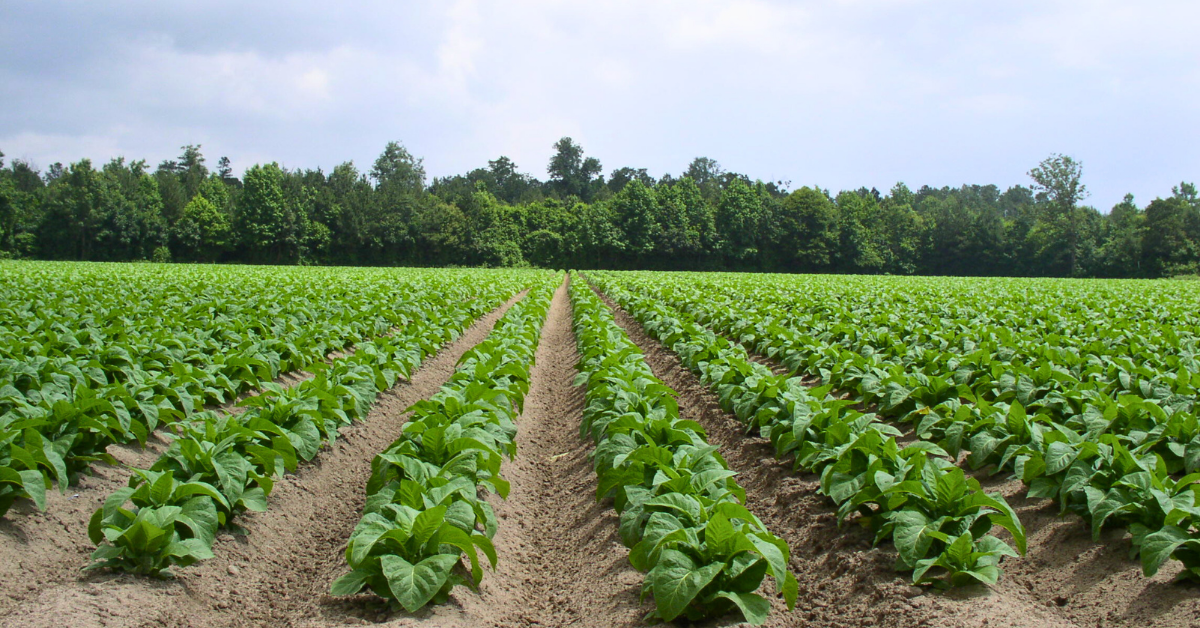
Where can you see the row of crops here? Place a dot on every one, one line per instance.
(1084, 391)
(682, 512)
(426, 506)
(96, 355)
(101, 359)
(897, 394)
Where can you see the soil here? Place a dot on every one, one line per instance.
(561, 563)
(44, 548)
(1065, 579)
(281, 569)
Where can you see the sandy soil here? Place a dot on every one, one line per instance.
(1083, 582)
(38, 549)
(844, 582)
(273, 576)
(561, 561)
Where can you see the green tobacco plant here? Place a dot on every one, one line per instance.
(408, 555)
(170, 523)
(681, 509)
(1021, 376)
(240, 455)
(92, 356)
(425, 508)
(913, 496)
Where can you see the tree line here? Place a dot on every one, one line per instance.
(707, 218)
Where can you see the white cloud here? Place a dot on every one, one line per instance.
(843, 94)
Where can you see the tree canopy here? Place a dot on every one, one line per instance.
(703, 218)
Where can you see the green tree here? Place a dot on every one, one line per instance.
(509, 185)
(264, 227)
(442, 233)
(132, 224)
(701, 218)
(493, 228)
(738, 218)
(707, 174)
(595, 240)
(571, 174)
(1123, 232)
(1172, 238)
(1059, 188)
(398, 197)
(397, 168)
(634, 209)
(622, 176)
(902, 230)
(862, 248)
(192, 171)
(25, 191)
(676, 242)
(74, 213)
(8, 211)
(806, 231)
(203, 233)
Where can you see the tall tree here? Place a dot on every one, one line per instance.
(635, 208)
(738, 218)
(622, 176)
(75, 212)
(192, 171)
(1058, 184)
(263, 224)
(510, 185)
(571, 174)
(224, 169)
(8, 211)
(1123, 232)
(1172, 239)
(396, 167)
(807, 231)
(862, 247)
(203, 233)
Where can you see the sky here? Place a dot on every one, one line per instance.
(835, 93)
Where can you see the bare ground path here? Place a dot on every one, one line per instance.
(276, 575)
(843, 581)
(561, 560)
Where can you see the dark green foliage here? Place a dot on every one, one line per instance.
(682, 513)
(913, 496)
(706, 219)
(220, 465)
(425, 506)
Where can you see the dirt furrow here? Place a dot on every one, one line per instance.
(276, 575)
(844, 581)
(1088, 582)
(561, 561)
(41, 548)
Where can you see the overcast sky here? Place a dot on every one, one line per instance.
(839, 94)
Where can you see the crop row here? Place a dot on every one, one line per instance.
(222, 464)
(1101, 421)
(107, 362)
(426, 505)
(681, 510)
(938, 518)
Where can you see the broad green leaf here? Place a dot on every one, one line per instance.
(676, 581)
(414, 585)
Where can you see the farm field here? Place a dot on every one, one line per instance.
(248, 446)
